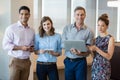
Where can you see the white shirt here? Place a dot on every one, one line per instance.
(17, 35)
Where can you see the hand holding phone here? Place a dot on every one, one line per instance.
(31, 49)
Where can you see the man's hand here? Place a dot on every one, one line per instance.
(25, 48)
(78, 52)
(31, 49)
(75, 51)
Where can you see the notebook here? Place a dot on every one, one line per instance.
(79, 45)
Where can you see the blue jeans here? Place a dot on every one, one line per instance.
(47, 70)
(75, 70)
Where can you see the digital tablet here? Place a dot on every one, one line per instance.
(49, 49)
(79, 45)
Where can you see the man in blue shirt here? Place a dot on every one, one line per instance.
(75, 61)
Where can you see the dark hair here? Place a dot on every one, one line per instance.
(41, 30)
(24, 8)
(104, 18)
(79, 8)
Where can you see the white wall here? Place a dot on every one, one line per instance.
(57, 11)
(4, 22)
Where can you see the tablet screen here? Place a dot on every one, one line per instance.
(79, 45)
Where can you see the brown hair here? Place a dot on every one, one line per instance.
(41, 30)
(79, 8)
(104, 18)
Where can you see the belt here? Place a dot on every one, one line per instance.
(46, 63)
(75, 59)
(14, 58)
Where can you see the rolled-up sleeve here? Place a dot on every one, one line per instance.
(8, 39)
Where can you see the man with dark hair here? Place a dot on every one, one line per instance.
(24, 8)
(18, 41)
(75, 61)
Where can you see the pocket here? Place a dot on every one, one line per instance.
(11, 62)
(64, 60)
(29, 63)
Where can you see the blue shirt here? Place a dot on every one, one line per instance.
(48, 42)
(70, 32)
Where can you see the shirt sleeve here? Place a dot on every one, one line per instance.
(64, 36)
(32, 43)
(59, 47)
(8, 39)
(36, 43)
(90, 38)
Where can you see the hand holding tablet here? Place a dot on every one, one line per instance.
(76, 44)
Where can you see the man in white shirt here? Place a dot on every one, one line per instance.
(18, 41)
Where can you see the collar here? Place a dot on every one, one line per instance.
(20, 25)
(83, 27)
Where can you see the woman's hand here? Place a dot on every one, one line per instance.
(53, 53)
(92, 48)
(41, 51)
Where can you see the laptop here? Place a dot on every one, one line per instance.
(77, 44)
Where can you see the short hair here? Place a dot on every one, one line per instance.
(79, 8)
(24, 8)
(104, 18)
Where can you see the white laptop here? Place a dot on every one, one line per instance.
(77, 44)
